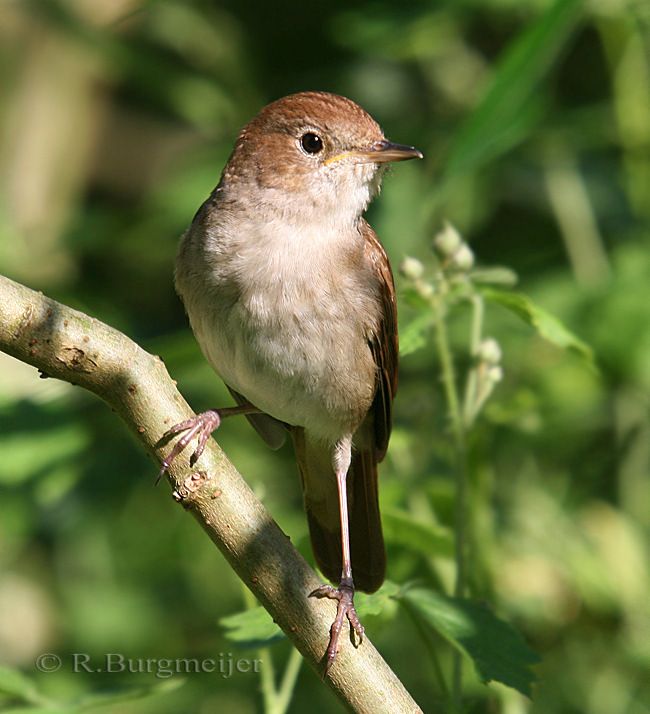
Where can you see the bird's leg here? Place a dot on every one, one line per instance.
(345, 591)
(201, 426)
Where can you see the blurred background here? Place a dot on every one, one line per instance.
(116, 118)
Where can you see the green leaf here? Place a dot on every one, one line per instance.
(495, 275)
(15, 684)
(49, 709)
(426, 538)
(377, 603)
(252, 628)
(496, 649)
(113, 698)
(57, 445)
(547, 325)
(510, 107)
(414, 336)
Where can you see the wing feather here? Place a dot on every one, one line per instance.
(383, 343)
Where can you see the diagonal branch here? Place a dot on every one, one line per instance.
(76, 348)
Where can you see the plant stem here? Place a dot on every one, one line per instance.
(426, 638)
(458, 428)
(267, 674)
(448, 374)
(472, 401)
(288, 684)
(276, 699)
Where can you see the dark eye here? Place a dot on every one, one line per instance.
(311, 143)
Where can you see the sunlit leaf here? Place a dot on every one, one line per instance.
(496, 649)
(377, 603)
(547, 325)
(15, 684)
(251, 627)
(414, 336)
(495, 275)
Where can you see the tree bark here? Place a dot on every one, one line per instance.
(69, 345)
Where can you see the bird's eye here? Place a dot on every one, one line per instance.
(311, 143)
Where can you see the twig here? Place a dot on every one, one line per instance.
(71, 346)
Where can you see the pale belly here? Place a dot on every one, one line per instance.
(306, 362)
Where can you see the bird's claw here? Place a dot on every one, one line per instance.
(345, 609)
(201, 426)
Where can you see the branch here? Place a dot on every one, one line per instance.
(76, 348)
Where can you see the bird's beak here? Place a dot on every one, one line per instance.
(380, 152)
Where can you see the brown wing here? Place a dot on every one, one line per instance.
(371, 440)
(384, 344)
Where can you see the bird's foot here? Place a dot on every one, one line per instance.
(201, 426)
(345, 596)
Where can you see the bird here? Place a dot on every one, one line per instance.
(291, 298)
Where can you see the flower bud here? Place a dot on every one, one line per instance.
(494, 374)
(447, 241)
(463, 258)
(425, 290)
(489, 351)
(411, 268)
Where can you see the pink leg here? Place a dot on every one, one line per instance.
(345, 591)
(201, 426)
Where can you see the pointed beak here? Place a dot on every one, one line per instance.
(380, 152)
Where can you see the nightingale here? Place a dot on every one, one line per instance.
(291, 298)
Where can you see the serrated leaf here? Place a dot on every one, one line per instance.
(376, 603)
(548, 326)
(426, 538)
(496, 649)
(252, 627)
(414, 336)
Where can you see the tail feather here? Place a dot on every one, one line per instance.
(322, 507)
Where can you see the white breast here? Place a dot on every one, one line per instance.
(285, 321)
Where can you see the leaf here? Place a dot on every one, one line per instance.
(426, 538)
(15, 684)
(252, 628)
(510, 107)
(377, 603)
(547, 325)
(496, 649)
(413, 336)
(103, 699)
(495, 275)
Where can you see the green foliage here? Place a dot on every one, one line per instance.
(511, 106)
(547, 325)
(496, 649)
(513, 462)
(23, 696)
(252, 628)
